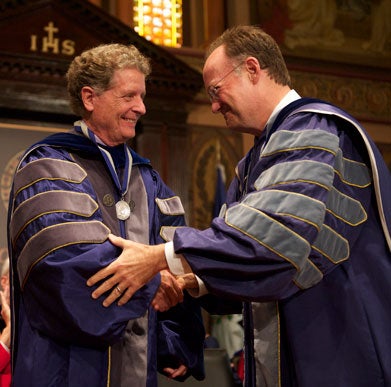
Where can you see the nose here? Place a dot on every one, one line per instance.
(139, 106)
(216, 106)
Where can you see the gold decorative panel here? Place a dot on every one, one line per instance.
(362, 98)
(203, 159)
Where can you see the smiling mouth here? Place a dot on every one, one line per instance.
(131, 120)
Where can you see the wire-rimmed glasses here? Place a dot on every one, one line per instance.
(213, 90)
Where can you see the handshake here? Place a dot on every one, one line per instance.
(137, 265)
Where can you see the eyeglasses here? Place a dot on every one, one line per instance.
(213, 90)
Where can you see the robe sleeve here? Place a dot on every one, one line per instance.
(181, 338)
(290, 216)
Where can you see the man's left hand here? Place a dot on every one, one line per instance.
(136, 266)
(174, 373)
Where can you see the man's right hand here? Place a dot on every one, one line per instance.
(188, 281)
(169, 293)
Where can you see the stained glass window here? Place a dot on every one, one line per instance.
(159, 21)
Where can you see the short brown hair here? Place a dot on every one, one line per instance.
(241, 42)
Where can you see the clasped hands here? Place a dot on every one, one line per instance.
(137, 265)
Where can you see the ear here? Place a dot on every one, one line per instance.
(253, 68)
(87, 96)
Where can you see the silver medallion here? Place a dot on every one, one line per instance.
(122, 209)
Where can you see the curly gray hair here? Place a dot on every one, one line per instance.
(95, 68)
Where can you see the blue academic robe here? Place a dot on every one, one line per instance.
(304, 241)
(61, 211)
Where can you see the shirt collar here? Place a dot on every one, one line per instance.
(289, 97)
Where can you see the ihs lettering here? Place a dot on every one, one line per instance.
(52, 44)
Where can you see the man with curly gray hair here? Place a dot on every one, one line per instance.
(70, 191)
